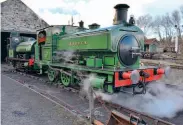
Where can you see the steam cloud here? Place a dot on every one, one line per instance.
(174, 78)
(160, 100)
(64, 55)
(86, 83)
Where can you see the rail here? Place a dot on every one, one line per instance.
(119, 115)
(125, 116)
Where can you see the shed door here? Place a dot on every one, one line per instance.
(153, 48)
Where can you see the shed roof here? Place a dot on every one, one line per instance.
(16, 16)
(150, 41)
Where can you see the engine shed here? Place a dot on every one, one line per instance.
(17, 17)
(150, 45)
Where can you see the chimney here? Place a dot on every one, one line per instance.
(94, 26)
(121, 14)
(81, 24)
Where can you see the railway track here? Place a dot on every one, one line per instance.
(168, 59)
(152, 63)
(150, 120)
(172, 66)
(178, 62)
(162, 58)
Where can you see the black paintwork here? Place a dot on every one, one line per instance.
(125, 53)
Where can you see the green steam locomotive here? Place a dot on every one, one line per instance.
(111, 55)
(20, 50)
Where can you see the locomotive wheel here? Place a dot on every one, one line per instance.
(65, 79)
(51, 75)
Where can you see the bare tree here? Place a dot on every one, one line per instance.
(168, 26)
(156, 26)
(181, 10)
(176, 18)
(145, 22)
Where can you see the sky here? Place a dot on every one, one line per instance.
(59, 12)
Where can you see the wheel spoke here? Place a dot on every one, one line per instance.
(65, 79)
(51, 75)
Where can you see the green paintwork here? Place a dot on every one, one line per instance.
(46, 53)
(36, 67)
(97, 82)
(110, 89)
(109, 61)
(36, 55)
(48, 39)
(65, 79)
(11, 53)
(25, 46)
(94, 62)
(90, 62)
(84, 42)
(51, 75)
(110, 78)
(98, 63)
(114, 33)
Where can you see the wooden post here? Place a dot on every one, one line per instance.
(91, 103)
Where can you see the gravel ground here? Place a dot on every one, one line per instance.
(22, 106)
(73, 101)
(81, 105)
(162, 62)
